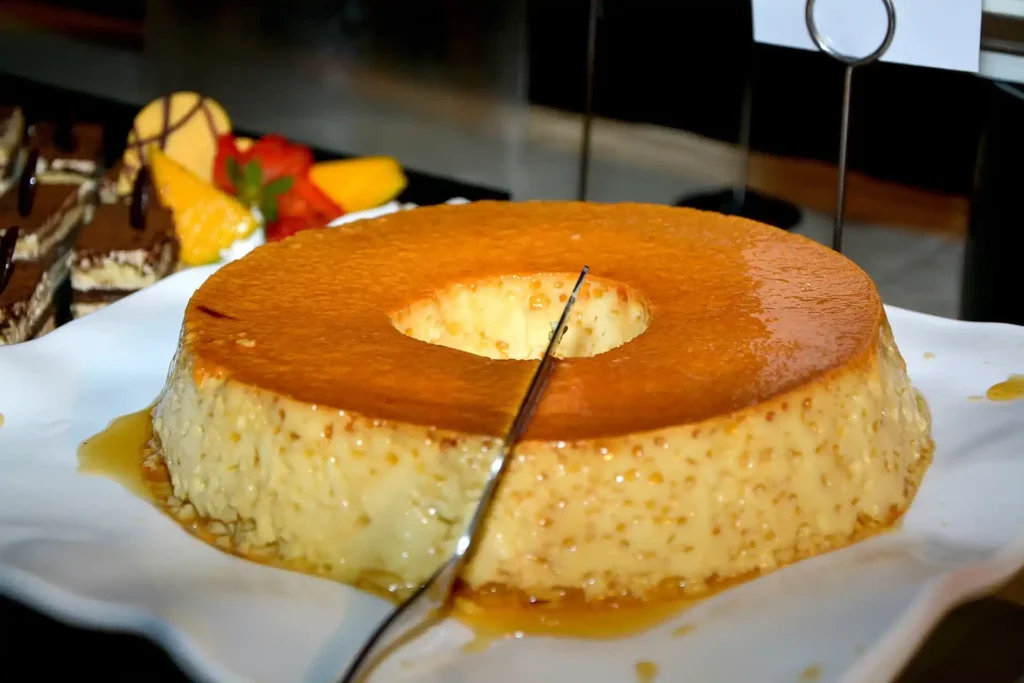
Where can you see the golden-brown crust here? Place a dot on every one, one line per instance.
(740, 312)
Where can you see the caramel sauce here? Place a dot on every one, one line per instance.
(811, 674)
(681, 631)
(646, 672)
(125, 453)
(772, 283)
(118, 452)
(1010, 390)
(479, 643)
(601, 622)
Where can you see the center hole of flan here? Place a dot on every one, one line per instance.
(512, 316)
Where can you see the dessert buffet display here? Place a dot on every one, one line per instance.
(705, 425)
(210, 193)
(729, 399)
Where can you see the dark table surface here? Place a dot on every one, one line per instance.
(977, 642)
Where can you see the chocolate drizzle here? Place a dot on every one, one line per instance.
(7, 244)
(27, 184)
(140, 200)
(215, 314)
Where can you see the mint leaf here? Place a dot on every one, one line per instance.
(253, 175)
(278, 187)
(268, 208)
(234, 172)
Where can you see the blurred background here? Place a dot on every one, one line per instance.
(492, 93)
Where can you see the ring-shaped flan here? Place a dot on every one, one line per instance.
(763, 415)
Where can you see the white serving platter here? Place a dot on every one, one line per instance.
(84, 550)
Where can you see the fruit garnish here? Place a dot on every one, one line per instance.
(359, 184)
(280, 158)
(226, 149)
(305, 199)
(271, 175)
(206, 219)
(289, 225)
(184, 125)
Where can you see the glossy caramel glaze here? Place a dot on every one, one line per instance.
(740, 312)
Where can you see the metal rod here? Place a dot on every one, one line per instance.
(588, 104)
(844, 132)
(739, 190)
(844, 139)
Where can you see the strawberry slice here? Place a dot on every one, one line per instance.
(306, 199)
(279, 158)
(273, 176)
(289, 225)
(228, 155)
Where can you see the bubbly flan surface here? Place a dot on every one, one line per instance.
(739, 312)
(732, 400)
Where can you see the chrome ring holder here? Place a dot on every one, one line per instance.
(851, 63)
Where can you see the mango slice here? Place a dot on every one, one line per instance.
(206, 219)
(359, 184)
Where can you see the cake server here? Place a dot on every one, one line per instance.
(426, 606)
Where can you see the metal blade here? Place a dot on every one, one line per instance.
(424, 607)
(521, 420)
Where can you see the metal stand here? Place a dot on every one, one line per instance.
(844, 132)
(588, 107)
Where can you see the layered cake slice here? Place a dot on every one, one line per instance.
(26, 294)
(49, 216)
(107, 189)
(68, 154)
(12, 131)
(129, 245)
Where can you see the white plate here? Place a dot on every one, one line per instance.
(84, 550)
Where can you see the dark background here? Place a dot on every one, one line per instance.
(676, 63)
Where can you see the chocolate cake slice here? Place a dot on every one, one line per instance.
(49, 216)
(128, 246)
(26, 294)
(107, 189)
(68, 154)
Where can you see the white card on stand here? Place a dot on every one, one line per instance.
(945, 34)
